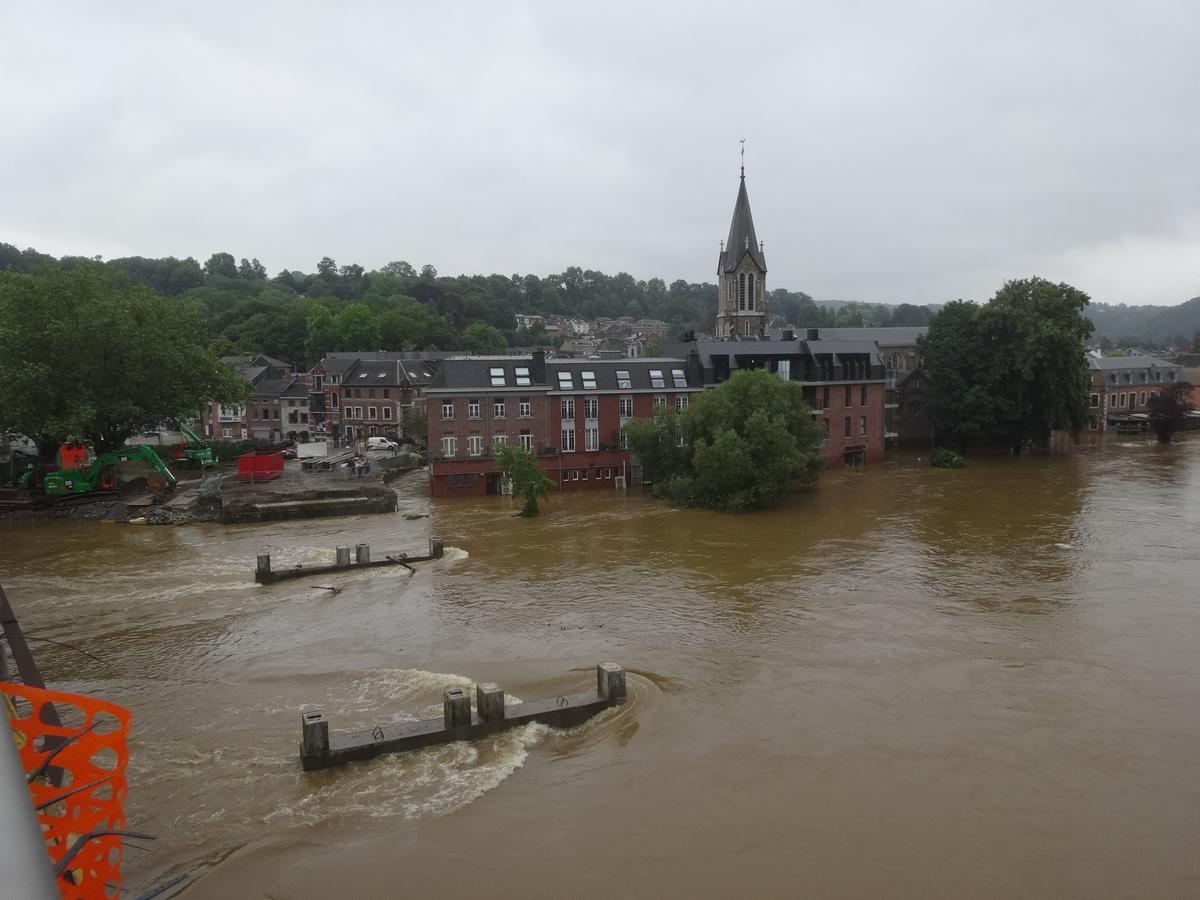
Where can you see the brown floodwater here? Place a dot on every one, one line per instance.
(906, 683)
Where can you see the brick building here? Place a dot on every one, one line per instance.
(366, 394)
(843, 383)
(1122, 387)
(569, 412)
(268, 378)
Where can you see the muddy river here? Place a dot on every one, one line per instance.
(906, 683)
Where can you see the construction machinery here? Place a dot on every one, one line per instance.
(197, 453)
(99, 476)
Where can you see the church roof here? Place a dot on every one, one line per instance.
(741, 228)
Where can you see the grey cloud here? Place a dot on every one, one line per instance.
(916, 152)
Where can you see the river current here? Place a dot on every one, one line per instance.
(907, 682)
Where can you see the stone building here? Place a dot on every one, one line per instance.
(741, 276)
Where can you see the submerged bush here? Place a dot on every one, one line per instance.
(941, 458)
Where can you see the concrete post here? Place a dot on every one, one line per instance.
(489, 702)
(343, 557)
(435, 548)
(314, 729)
(456, 707)
(264, 564)
(362, 553)
(610, 681)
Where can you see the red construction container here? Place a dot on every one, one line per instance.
(260, 466)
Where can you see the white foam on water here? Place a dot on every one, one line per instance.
(454, 554)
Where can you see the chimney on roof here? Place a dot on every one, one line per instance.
(539, 367)
(814, 334)
(788, 334)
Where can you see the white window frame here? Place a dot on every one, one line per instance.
(591, 407)
(568, 440)
(475, 444)
(625, 407)
(525, 408)
(447, 410)
(498, 408)
(449, 445)
(473, 408)
(591, 439)
(567, 409)
(681, 402)
(527, 440)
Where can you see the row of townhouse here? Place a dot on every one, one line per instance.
(572, 413)
(347, 396)
(1122, 386)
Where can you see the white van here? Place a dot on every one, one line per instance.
(381, 443)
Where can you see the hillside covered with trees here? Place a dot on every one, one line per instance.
(1156, 326)
(298, 316)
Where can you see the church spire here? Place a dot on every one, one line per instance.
(742, 238)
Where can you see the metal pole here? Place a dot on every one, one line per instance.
(23, 857)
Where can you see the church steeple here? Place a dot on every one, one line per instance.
(741, 273)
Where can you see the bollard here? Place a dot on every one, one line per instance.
(435, 548)
(456, 708)
(362, 553)
(343, 557)
(610, 681)
(314, 731)
(489, 702)
(264, 564)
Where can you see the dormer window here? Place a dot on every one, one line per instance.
(656, 379)
(522, 373)
(565, 381)
(679, 378)
(624, 383)
(589, 380)
(497, 377)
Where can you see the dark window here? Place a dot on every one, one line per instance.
(847, 426)
(864, 395)
(849, 396)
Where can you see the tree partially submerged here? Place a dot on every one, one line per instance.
(519, 466)
(740, 446)
(1169, 410)
(1012, 371)
(87, 354)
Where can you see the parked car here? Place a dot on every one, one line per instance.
(381, 443)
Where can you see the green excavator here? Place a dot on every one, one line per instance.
(197, 452)
(99, 475)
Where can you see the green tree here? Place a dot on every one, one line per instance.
(481, 339)
(222, 265)
(1169, 410)
(1011, 371)
(357, 329)
(745, 444)
(519, 466)
(959, 364)
(415, 425)
(86, 353)
(320, 333)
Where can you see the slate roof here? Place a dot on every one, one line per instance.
(773, 348)
(473, 373)
(271, 387)
(891, 336)
(1120, 363)
(741, 228)
(372, 372)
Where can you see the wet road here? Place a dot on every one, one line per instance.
(907, 683)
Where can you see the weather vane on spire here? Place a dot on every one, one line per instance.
(743, 143)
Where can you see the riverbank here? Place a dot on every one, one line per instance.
(223, 498)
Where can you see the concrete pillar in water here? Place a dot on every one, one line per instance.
(362, 553)
(610, 681)
(314, 739)
(489, 702)
(343, 557)
(456, 707)
(435, 548)
(264, 564)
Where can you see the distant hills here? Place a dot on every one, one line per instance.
(1164, 326)
(1160, 326)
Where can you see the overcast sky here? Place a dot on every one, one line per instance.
(895, 152)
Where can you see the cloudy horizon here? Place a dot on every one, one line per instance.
(914, 154)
